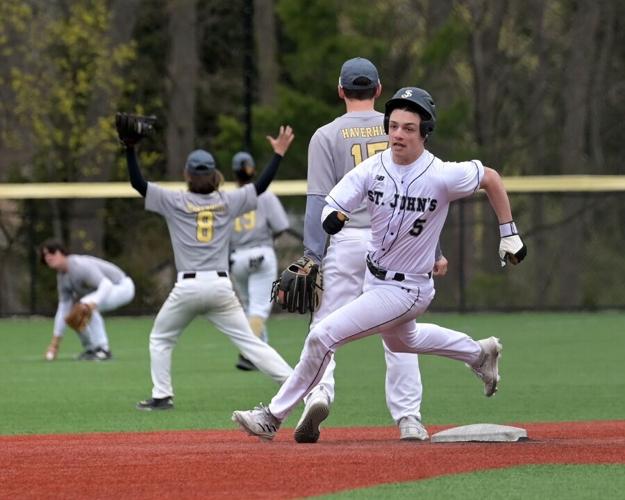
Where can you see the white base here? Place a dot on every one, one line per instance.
(480, 433)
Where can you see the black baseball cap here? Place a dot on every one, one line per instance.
(359, 68)
(200, 162)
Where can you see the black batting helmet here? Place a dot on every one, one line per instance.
(417, 99)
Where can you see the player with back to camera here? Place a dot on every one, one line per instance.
(253, 262)
(199, 222)
(335, 149)
(87, 286)
(407, 191)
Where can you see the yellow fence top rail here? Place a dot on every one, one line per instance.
(528, 184)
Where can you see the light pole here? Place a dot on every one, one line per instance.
(248, 71)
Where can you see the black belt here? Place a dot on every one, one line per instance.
(380, 273)
(186, 276)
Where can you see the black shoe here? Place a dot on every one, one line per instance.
(156, 404)
(88, 355)
(102, 355)
(245, 364)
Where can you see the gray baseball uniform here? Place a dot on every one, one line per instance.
(334, 150)
(253, 262)
(199, 227)
(257, 228)
(198, 224)
(91, 280)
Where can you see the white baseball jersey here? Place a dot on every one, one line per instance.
(408, 205)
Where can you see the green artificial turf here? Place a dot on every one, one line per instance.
(569, 482)
(555, 367)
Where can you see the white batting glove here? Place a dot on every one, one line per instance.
(511, 246)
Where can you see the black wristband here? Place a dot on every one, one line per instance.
(332, 224)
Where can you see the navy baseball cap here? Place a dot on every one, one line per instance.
(200, 162)
(241, 160)
(356, 68)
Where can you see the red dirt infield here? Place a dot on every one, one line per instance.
(228, 464)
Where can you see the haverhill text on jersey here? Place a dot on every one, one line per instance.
(352, 132)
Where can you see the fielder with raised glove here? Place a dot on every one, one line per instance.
(79, 316)
(299, 287)
(132, 128)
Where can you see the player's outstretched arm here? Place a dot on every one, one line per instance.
(280, 146)
(130, 130)
(136, 178)
(511, 247)
(314, 236)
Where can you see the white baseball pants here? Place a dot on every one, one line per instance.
(117, 295)
(388, 307)
(213, 297)
(344, 269)
(253, 281)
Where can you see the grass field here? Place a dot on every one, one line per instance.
(570, 482)
(555, 367)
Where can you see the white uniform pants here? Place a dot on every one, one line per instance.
(253, 271)
(213, 297)
(120, 294)
(343, 274)
(387, 307)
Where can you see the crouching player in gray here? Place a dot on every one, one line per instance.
(199, 222)
(99, 284)
(253, 261)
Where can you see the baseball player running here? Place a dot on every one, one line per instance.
(253, 263)
(407, 191)
(199, 222)
(89, 284)
(334, 150)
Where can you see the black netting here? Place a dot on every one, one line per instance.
(574, 252)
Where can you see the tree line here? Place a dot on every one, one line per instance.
(531, 87)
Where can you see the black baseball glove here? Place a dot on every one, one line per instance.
(299, 287)
(132, 128)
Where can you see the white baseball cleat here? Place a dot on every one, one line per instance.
(487, 368)
(316, 411)
(257, 422)
(411, 429)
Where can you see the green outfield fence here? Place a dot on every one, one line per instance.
(573, 226)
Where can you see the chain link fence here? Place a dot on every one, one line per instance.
(574, 261)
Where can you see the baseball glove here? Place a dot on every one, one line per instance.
(78, 318)
(299, 287)
(132, 128)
